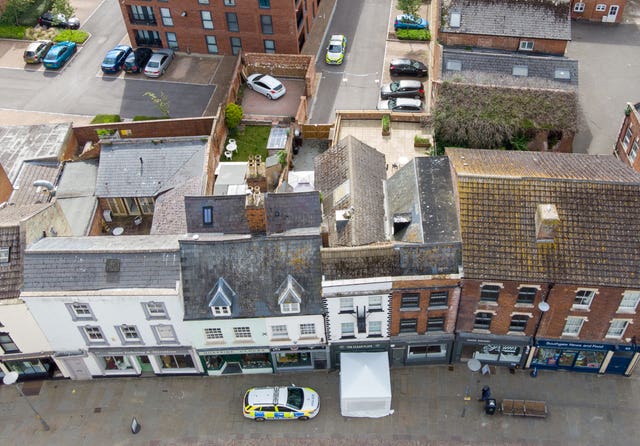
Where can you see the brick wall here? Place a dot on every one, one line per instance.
(628, 136)
(590, 12)
(548, 46)
(282, 65)
(6, 188)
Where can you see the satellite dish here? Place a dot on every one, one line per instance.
(10, 378)
(543, 306)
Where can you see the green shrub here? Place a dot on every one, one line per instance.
(413, 34)
(422, 141)
(100, 119)
(105, 133)
(72, 35)
(386, 123)
(148, 118)
(12, 32)
(233, 115)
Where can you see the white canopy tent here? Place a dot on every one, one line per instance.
(365, 385)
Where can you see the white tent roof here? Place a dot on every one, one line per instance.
(365, 384)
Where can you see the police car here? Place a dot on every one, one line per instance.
(281, 403)
(336, 49)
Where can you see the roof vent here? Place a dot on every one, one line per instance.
(547, 222)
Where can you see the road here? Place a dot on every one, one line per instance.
(355, 84)
(80, 88)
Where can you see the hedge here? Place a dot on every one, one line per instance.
(413, 34)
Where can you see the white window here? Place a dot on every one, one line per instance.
(203, 2)
(229, 2)
(221, 311)
(375, 302)
(307, 329)
(454, 19)
(346, 304)
(154, 310)
(629, 302)
(572, 326)
(633, 153)
(578, 7)
(290, 307)
(454, 65)
(93, 335)
(164, 334)
(279, 332)
(346, 328)
(600, 7)
(375, 328)
(627, 137)
(583, 299)
(4, 255)
(562, 74)
(617, 328)
(242, 332)
(80, 311)
(526, 45)
(520, 70)
(213, 334)
(166, 17)
(128, 334)
(207, 21)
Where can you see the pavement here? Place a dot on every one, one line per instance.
(428, 402)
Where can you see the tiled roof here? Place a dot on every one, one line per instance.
(24, 190)
(597, 201)
(479, 66)
(350, 175)
(145, 168)
(94, 263)
(169, 210)
(543, 19)
(254, 268)
(12, 215)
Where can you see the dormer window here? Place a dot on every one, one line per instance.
(221, 298)
(290, 295)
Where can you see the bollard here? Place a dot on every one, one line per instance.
(135, 426)
(534, 372)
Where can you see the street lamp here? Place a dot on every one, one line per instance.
(474, 365)
(11, 378)
(543, 307)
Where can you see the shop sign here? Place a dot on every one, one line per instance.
(295, 348)
(233, 351)
(370, 346)
(575, 345)
(140, 351)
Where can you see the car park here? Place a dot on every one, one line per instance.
(336, 49)
(113, 61)
(402, 89)
(407, 67)
(137, 60)
(266, 85)
(59, 54)
(408, 21)
(58, 20)
(158, 63)
(36, 51)
(281, 403)
(401, 105)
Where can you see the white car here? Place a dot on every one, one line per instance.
(266, 85)
(281, 403)
(158, 63)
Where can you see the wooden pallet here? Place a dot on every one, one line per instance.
(524, 408)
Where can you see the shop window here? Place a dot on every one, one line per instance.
(165, 13)
(232, 21)
(207, 20)
(589, 359)
(426, 351)
(5, 255)
(80, 311)
(578, 7)
(629, 302)
(408, 325)
(482, 321)
(526, 45)
(617, 328)
(346, 305)
(600, 7)
(212, 48)
(526, 295)
(307, 330)
(93, 335)
(242, 332)
(489, 293)
(375, 328)
(115, 363)
(572, 326)
(435, 324)
(213, 362)
(213, 334)
(266, 23)
(518, 322)
(583, 299)
(30, 367)
(128, 334)
(410, 301)
(7, 344)
(279, 332)
(439, 299)
(375, 303)
(165, 334)
(289, 360)
(265, 4)
(155, 310)
(347, 330)
(176, 362)
(269, 46)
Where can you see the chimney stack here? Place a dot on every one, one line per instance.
(547, 222)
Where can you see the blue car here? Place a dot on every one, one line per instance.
(406, 21)
(115, 58)
(59, 54)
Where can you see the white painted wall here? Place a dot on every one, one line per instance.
(195, 333)
(22, 327)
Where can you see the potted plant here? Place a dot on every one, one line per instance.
(421, 141)
(386, 125)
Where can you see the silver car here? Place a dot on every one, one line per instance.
(401, 105)
(402, 89)
(158, 63)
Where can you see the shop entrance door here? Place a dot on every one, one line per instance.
(77, 368)
(619, 362)
(145, 364)
(566, 359)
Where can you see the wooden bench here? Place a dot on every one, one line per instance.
(524, 408)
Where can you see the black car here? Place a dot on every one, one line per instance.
(48, 19)
(407, 67)
(137, 60)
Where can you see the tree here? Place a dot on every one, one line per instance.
(162, 102)
(14, 10)
(233, 115)
(62, 7)
(411, 7)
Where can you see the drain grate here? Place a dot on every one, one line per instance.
(97, 409)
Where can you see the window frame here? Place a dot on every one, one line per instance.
(267, 49)
(601, 7)
(152, 315)
(229, 2)
(627, 137)
(523, 296)
(84, 331)
(408, 325)
(279, 332)
(569, 323)
(75, 316)
(526, 45)
(519, 323)
(206, 21)
(439, 295)
(264, 4)
(375, 305)
(242, 333)
(172, 43)
(9, 341)
(480, 318)
(346, 305)
(487, 292)
(629, 295)
(371, 332)
(290, 307)
(307, 330)
(209, 46)
(578, 7)
(213, 334)
(218, 311)
(5, 255)
(589, 299)
(265, 27)
(347, 334)
(165, 17)
(124, 333)
(156, 332)
(633, 151)
(410, 302)
(625, 322)
(435, 324)
(235, 49)
(232, 25)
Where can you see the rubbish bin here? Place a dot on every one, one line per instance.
(490, 406)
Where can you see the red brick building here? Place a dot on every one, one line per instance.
(607, 11)
(220, 26)
(626, 147)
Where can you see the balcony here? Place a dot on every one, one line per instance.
(142, 20)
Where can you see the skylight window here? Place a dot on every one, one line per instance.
(454, 20)
(562, 74)
(520, 70)
(454, 65)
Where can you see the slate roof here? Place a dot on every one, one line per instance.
(254, 268)
(81, 263)
(597, 200)
(144, 168)
(422, 192)
(30, 171)
(292, 210)
(356, 171)
(543, 19)
(492, 67)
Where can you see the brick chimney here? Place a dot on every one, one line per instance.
(255, 210)
(547, 222)
(256, 173)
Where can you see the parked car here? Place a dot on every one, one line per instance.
(266, 85)
(407, 67)
(402, 89)
(137, 60)
(158, 63)
(113, 61)
(59, 54)
(401, 105)
(281, 403)
(336, 49)
(36, 51)
(48, 19)
(407, 21)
